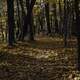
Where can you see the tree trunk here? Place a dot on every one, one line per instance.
(60, 14)
(65, 23)
(78, 29)
(55, 18)
(30, 24)
(47, 17)
(24, 22)
(11, 24)
(18, 21)
(28, 20)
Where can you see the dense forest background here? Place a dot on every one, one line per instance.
(46, 32)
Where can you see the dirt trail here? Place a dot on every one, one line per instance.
(28, 62)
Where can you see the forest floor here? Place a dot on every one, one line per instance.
(42, 59)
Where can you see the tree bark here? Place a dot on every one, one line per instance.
(47, 17)
(78, 29)
(55, 18)
(28, 20)
(11, 24)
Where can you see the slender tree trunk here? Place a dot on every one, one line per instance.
(40, 19)
(78, 29)
(30, 24)
(22, 7)
(24, 22)
(47, 17)
(55, 18)
(65, 23)
(11, 24)
(18, 20)
(60, 14)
